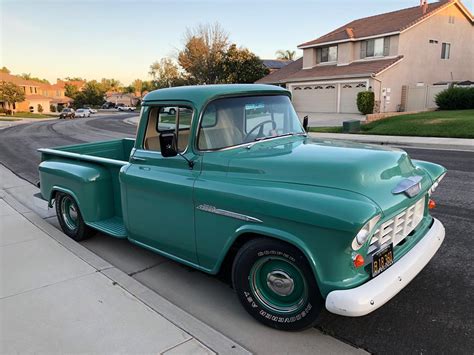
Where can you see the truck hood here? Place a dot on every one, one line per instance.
(373, 171)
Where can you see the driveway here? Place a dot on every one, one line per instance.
(318, 119)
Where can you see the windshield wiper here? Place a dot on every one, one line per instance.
(258, 139)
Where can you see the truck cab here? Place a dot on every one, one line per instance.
(225, 177)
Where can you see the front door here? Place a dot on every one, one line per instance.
(159, 190)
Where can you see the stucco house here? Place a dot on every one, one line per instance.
(390, 54)
(36, 93)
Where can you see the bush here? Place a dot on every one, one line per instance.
(365, 102)
(456, 98)
(52, 108)
(40, 108)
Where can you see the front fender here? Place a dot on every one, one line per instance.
(434, 170)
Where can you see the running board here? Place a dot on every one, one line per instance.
(113, 226)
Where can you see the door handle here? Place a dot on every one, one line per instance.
(138, 159)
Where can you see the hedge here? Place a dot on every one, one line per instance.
(365, 102)
(456, 98)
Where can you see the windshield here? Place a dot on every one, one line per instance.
(232, 121)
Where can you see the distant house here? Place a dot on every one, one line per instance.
(275, 64)
(36, 93)
(398, 55)
(119, 98)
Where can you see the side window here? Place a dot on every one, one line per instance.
(168, 119)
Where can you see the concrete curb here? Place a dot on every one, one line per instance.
(132, 120)
(403, 141)
(210, 337)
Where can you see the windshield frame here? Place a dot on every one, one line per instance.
(245, 144)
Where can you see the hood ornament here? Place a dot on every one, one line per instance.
(410, 186)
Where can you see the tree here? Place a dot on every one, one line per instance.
(5, 70)
(239, 65)
(138, 86)
(128, 89)
(111, 85)
(285, 54)
(75, 78)
(92, 94)
(203, 52)
(70, 90)
(11, 93)
(165, 73)
(27, 76)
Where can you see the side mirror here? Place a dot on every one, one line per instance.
(168, 145)
(305, 123)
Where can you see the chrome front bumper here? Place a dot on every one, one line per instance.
(375, 293)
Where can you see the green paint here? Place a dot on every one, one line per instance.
(314, 194)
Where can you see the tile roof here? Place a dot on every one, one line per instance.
(37, 97)
(17, 80)
(389, 22)
(275, 63)
(281, 75)
(295, 72)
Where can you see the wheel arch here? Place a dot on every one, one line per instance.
(247, 233)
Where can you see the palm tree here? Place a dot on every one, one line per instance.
(285, 54)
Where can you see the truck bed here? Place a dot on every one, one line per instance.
(90, 173)
(115, 152)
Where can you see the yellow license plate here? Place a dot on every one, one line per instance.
(382, 260)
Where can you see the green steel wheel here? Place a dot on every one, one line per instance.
(276, 285)
(70, 218)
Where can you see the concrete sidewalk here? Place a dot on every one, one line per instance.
(426, 142)
(58, 297)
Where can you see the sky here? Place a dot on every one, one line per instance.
(119, 39)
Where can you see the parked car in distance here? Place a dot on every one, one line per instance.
(67, 113)
(232, 183)
(126, 108)
(91, 110)
(108, 105)
(83, 112)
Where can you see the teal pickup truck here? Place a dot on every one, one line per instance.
(224, 177)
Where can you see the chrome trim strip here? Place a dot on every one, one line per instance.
(242, 217)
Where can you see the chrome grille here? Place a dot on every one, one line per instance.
(397, 228)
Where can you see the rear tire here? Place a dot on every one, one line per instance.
(70, 218)
(276, 285)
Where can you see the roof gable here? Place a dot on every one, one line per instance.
(390, 22)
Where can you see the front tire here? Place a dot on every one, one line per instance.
(276, 285)
(70, 218)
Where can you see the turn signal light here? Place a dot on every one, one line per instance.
(431, 204)
(358, 260)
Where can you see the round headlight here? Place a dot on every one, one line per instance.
(364, 233)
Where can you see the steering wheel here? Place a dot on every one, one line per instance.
(260, 132)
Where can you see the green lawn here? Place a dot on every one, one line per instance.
(8, 119)
(31, 115)
(452, 124)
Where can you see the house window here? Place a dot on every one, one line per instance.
(377, 47)
(326, 54)
(451, 19)
(445, 50)
(36, 91)
(31, 89)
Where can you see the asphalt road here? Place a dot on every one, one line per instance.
(433, 314)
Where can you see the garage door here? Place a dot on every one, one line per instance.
(315, 98)
(349, 97)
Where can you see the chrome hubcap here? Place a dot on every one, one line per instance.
(280, 282)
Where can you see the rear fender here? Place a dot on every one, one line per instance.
(90, 185)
